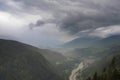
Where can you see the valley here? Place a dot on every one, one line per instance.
(59, 39)
(29, 62)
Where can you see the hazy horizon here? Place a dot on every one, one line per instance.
(54, 22)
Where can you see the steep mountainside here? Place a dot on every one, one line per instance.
(93, 41)
(103, 62)
(53, 57)
(109, 41)
(19, 62)
(82, 42)
(110, 72)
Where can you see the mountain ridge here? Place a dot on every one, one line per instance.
(84, 42)
(18, 61)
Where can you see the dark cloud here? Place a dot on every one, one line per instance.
(39, 23)
(45, 5)
(76, 15)
(74, 24)
(99, 14)
(57, 17)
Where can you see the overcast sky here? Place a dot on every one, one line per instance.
(53, 22)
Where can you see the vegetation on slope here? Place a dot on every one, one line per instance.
(112, 72)
(19, 62)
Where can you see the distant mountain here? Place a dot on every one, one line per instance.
(110, 41)
(97, 52)
(81, 42)
(85, 42)
(19, 61)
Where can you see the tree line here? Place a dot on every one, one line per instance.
(109, 73)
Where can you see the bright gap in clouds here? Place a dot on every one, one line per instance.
(106, 31)
(9, 22)
(47, 35)
(16, 27)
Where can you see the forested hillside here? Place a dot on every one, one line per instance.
(19, 62)
(111, 72)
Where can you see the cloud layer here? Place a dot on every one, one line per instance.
(78, 15)
(73, 16)
(60, 20)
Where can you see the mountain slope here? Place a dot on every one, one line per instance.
(19, 62)
(110, 72)
(103, 62)
(110, 41)
(52, 56)
(81, 42)
(85, 42)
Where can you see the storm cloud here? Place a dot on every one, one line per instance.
(72, 17)
(78, 15)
